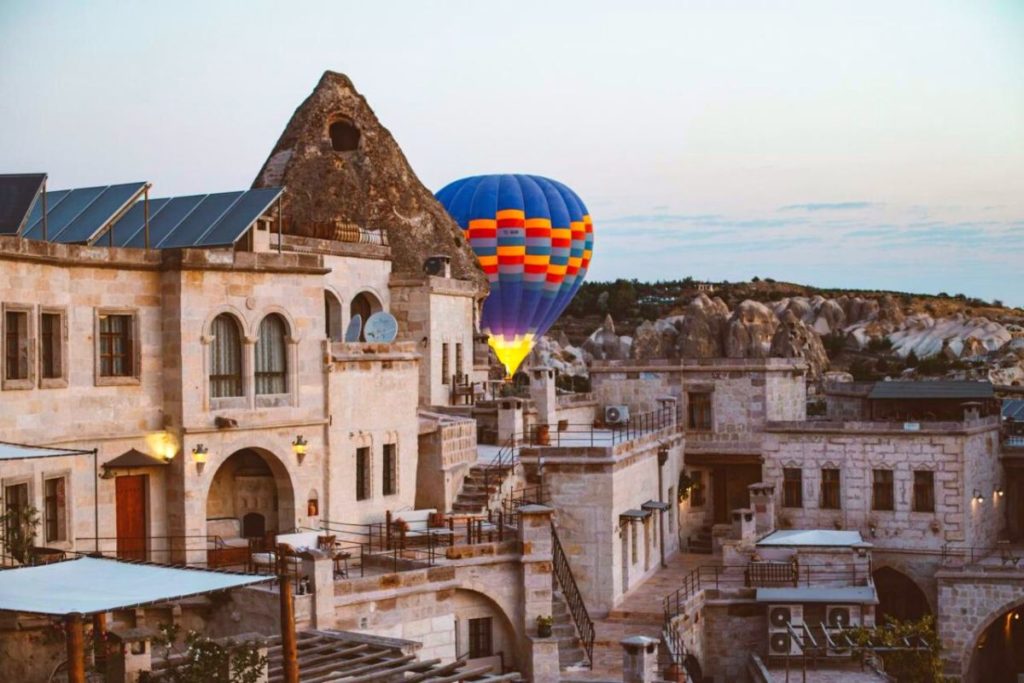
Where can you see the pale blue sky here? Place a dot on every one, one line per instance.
(856, 144)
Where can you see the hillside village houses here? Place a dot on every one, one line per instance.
(183, 384)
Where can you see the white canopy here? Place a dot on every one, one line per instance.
(17, 451)
(91, 585)
(814, 538)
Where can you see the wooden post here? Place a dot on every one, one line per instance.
(289, 648)
(145, 219)
(99, 640)
(75, 640)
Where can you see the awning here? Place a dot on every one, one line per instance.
(634, 515)
(814, 538)
(91, 585)
(134, 458)
(841, 595)
(655, 505)
(18, 451)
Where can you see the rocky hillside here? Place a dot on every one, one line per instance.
(867, 337)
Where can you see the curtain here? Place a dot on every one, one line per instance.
(271, 358)
(226, 361)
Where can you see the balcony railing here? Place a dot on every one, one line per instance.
(570, 435)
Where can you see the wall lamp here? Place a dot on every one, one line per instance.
(199, 454)
(978, 498)
(299, 446)
(998, 491)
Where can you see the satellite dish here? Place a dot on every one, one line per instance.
(354, 329)
(381, 328)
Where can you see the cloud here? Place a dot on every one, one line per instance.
(834, 206)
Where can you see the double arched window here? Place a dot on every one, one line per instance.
(271, 356)
(226, 358)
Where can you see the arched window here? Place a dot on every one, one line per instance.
(332, 317)
(226, 358)
(271, 356)
(344, 136)
(364, 305)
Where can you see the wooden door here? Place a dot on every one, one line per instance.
(131, 517)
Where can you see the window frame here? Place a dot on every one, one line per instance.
(792, 489)
(445, 365)
(704, 420)
(283, 375)
(135, 352)
(698, 499)
(24, 480)
(60, 380)
(888, 492)
(481, 637)
(458, 360)
(28, 381)
(827, 489)
(923, 502)
(232, 400)
(389, 470)
(364, 473)
(65, 476)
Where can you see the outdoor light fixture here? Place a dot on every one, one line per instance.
(199, 454)
(998, 491)
(978, 497)
(299, 446)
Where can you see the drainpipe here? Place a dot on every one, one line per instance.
(662, 459)
(95, 500)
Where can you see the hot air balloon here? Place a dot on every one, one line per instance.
(533, 237)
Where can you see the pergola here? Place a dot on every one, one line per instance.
(92, 586)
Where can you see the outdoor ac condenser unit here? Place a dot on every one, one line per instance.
(842, 616)
(780, 618)
(614, 415)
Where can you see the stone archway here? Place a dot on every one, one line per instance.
(364, 304)
(251, 491)
(997, 654)
(899, 596)
(471, 606)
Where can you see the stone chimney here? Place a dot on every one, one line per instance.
(544, 395)
(639, 659)
(762, 502)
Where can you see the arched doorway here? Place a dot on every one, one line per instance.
(898, 596)
(250, 495)
(998, 656)
(364, 304)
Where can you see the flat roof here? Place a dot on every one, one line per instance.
(932, 390)
(839, 595)
(813, 537)
(19, 451)
(1013, 409)
(90, 585)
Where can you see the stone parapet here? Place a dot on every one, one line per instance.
(863, 427)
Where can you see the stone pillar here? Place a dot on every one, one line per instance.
(510, 420)
(639, 659)
(130, 654)
(762, 501)
(545, 399)
(319, 568)
(743, 525)
(541, 654)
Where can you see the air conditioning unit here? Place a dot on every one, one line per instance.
(780, 639)
(616, 415)
(439, 266)
(837, 618)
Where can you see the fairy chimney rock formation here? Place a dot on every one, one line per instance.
(342, 170)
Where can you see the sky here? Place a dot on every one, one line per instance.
(869, 144)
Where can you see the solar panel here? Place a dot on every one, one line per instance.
(240, 217)
(130, 230)
(18, 195)
(209, 211)
(79, 215)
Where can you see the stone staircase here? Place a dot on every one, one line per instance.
(700, 542)
(571, 656)
(482, 488)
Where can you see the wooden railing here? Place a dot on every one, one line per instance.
(573, 597)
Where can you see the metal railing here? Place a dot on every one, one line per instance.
(569, 435)
(498, 468)
(573, 597)
(1008, 555)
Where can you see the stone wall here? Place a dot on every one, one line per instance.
(732, 630)
(447, 449)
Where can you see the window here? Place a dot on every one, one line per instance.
(117, 353)
(633, 541)
(271, 356)
(362, 473)
(792, 487)
(15, 345)
(55, 509)
(458, 359)
(882, 492)
(924, 491)
(444, 364)
(673, 504)
(344, 136)
(830, 489)
(15, 500)
(225, 358)
(51, 345)
(697, 490)
(390, 469)
(480, 640)
(698, 411)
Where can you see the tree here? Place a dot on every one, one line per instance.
(19, 526)
(919, 663)
(206, 661)
(622, 299)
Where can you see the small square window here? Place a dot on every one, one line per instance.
(924, 491)
(882, 490)
(830, 491)
(481, 637)
(698, 411)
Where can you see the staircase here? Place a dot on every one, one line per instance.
(482, 488)
(571, 656)
(700, 542)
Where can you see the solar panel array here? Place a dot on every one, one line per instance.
(79, 216)
(18, 194)
(203, 220)
(1013, 409)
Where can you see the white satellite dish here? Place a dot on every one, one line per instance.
(381, 328)
(354, 329)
